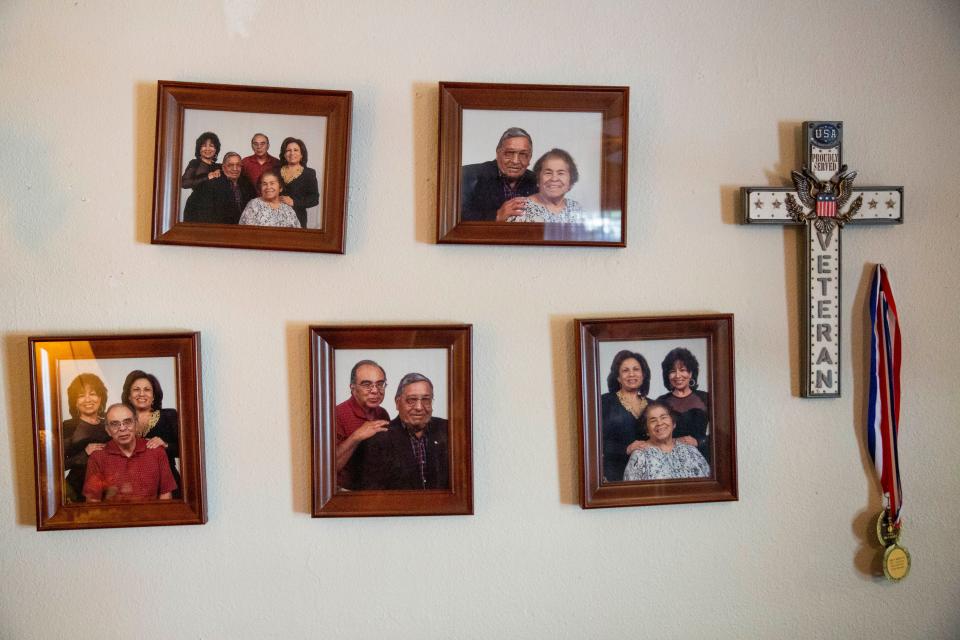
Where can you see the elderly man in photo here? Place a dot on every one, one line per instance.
(222, 199)
(126, 470)
(413, 453)
(497, 189)
(260, 161)
(359, 418)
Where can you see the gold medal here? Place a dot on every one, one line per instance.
(887, 534)
(896, 562)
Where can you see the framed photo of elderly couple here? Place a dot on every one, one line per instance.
(532, 164)
(251, 167)
(391, 420)
(657, 418)
(118, 430)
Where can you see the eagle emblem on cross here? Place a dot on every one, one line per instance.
(823, 200)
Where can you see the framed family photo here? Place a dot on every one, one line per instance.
(532, 164)
(251, 167)
(657, 419)
(391, 420)
(118, 431)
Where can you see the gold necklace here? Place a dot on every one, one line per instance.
(641, 405)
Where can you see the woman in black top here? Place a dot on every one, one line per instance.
(84, 432)
(681, 373)
(160, 427)
(300, 189)
(622, 431)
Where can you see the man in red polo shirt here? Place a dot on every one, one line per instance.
(260, 161)
(125, 470)
(359, 418)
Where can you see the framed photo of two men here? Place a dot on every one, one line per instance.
(532, 164)
(118, 430)
(657, 420)
(251, 167)
(391, 420)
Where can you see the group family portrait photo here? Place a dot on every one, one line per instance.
(253, 167)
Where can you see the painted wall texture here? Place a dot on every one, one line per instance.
(718, 91)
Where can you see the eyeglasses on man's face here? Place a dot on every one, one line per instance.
(368, 385)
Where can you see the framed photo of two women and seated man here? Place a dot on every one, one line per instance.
(391, 420)
(657, 419)
(251, 167)
(118, 432)
(532, 164)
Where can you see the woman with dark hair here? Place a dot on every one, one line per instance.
(269, 209)
(622, 432)
(556, 174)
(666, 458)
(204, 164)
(300, 189)
(160, 427)
(681, 372)
(85, 431)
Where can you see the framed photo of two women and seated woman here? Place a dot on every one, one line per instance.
(251, 167)
(118, 432)
(532, 164)
(657, 419)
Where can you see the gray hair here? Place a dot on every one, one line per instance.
(127, 405)
(260, 134)
(514, 132)
(353, 372)
(230, 154)
(409, 379)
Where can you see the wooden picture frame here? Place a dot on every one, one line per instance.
(607, 350)
(363, 487)
(588, 123)
(77, 378)
(317, 119)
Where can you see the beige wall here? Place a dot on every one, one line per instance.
(717, 91)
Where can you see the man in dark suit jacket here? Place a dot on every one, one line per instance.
(498, 189)
(221, 200)
(414, 451)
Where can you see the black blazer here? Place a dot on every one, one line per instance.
(481, 191)
(212, 201)
(389, 463)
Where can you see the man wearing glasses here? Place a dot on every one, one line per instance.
(413, 452)
(125, 470)
(359, 418)
(497, 189)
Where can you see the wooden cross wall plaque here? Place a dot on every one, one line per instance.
(817, 200)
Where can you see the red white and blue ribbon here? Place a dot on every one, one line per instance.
(883, 420)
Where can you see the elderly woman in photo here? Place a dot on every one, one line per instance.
(621, 409)
(556, 174)
(85, 431)
(158, 426)
(300, 189)
(692, 407)
(204, 164)
(269, 210)
(667, 458)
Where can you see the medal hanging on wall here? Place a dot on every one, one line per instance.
(883, 421)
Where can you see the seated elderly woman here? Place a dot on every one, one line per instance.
(85, 431)
(268, 210)
(556, 174)
(667, 458)
(681, 372)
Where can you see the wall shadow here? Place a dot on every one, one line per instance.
(20, 428)
(565, 372)
(144, 144)
(299, 408)
(426, 96)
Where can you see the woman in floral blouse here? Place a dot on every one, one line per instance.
(667, 458)
(556, 174)
(268, 210)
